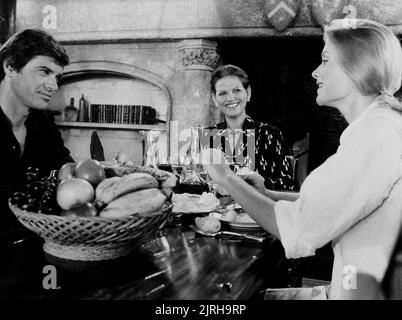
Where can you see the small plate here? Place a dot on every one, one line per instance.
(236, 224)
(192, 213)
(242, 225)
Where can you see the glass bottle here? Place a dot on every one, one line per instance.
(70, 112)
(82, 109)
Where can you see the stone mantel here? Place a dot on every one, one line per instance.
(125, 20)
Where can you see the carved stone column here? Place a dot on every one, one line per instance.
(199, 55)
(192, 103)
(198, 58)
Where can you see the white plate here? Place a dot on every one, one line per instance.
(236, 224)
(242, 225)
(194, 203)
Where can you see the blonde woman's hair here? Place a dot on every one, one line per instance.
(371, 56)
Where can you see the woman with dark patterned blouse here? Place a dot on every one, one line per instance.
(243, 140)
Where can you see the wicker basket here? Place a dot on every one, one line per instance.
(92, 238)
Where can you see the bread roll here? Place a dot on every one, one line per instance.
(143, 202)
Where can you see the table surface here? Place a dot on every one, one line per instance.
(172, 263)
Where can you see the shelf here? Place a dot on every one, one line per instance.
(111, 126)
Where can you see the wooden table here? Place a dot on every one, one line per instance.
(174, 263)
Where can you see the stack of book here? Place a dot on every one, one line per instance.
(121, 114)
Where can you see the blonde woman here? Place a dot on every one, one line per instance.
(354, 198)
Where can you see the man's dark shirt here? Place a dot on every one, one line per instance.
(270, 157)
(44, 149)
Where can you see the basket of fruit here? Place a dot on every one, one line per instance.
(88, 211)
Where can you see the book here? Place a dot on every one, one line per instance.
(121, 114)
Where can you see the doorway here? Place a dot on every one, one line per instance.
(284, 92)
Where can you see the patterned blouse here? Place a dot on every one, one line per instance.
(268, 158)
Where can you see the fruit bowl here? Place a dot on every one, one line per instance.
(90, 238)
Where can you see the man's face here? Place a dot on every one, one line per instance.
(36, 82)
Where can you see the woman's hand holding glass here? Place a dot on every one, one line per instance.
(215, 163)
(256, 181)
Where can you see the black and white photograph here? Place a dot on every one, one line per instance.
(209, 156)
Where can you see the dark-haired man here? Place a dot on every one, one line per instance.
(31, 63)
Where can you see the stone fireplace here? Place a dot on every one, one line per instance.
(162, 52)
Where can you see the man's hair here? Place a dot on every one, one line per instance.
(27, 44)
(229, 70)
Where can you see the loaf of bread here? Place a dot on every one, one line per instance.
(166, 179)
(115, 187)
(143, 202)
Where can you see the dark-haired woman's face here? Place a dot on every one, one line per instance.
(231, 97)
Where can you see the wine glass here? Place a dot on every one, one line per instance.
(178, 171)
(243, 168)
(205, 178)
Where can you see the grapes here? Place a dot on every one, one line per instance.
(28, 207)
(39, 193)
(30, 176)
(36, 187)
(25, 201)
(48, 202)
(51, 187)
(33, 170)
(51, 210)
(48, 194)
(18, 199)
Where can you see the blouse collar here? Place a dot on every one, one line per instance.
(356, 122)
(247, 124)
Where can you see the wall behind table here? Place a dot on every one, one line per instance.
(122, 86)
(149, 18)
(167, 19)
(113, 141)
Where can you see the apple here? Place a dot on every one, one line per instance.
(82, 210)
(74, 191)
(90, 170)
(66, 171)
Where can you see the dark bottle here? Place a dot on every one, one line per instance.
(193, 188)
(70, 112)
(82, 110)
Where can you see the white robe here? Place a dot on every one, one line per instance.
(354, 199)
